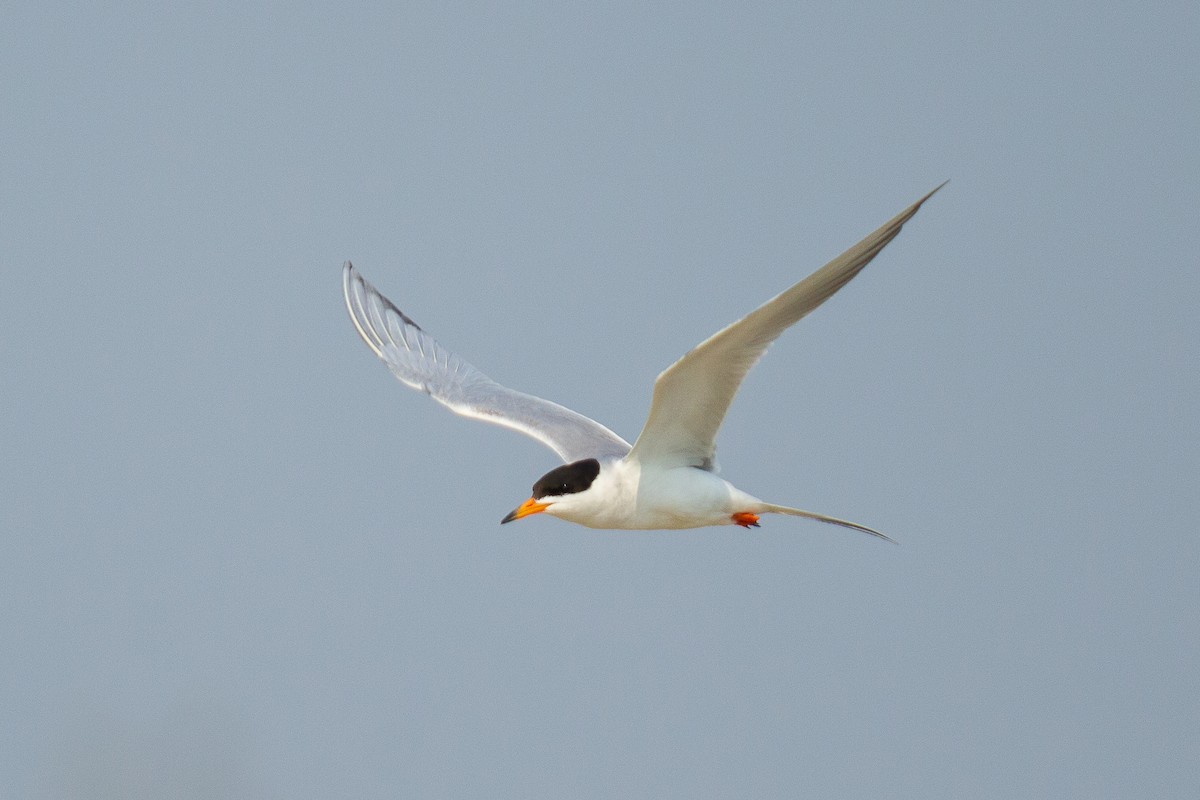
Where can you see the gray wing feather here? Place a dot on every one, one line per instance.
(419, 361)
(692, 396)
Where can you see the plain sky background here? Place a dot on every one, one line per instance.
(237, 559)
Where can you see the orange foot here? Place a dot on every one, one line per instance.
(745, 519)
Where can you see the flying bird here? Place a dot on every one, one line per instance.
(668, 478)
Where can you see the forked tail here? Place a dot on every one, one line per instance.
(796, 512)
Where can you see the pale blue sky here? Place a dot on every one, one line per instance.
(238, 559)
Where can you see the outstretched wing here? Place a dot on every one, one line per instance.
(693, 394)
(420, 362)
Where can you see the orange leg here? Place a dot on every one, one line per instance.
(745, 519)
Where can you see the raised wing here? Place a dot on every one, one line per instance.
(693, 394)
(420, 362)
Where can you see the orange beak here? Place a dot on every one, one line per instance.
(530, 506)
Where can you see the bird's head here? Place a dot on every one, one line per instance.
(555, 491)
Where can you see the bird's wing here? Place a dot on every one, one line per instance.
(420, 362)
(693, 394)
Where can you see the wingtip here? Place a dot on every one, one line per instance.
(348, 276)
(886, 538)
(893, 226)
(933, 191)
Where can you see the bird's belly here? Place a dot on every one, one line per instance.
(685, 498)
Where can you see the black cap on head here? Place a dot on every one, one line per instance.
(567, 479)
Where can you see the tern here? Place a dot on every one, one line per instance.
(668, 478)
